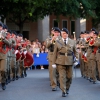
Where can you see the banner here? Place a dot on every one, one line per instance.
(40, 59)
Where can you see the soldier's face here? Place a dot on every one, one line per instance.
(86, 35)
(64, 35)
(95, 36)
(82, 35)
(1, 28)
(56, 33)
(91, 34)
(52, 32)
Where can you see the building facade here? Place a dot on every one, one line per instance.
(41, 28)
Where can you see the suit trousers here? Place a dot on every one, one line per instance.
(81, 64)
(65, 76)
(3, 70)
(93, 69)
(52, 75)
(21, 66)
(17, 68)
(13, 66)
(98, 68)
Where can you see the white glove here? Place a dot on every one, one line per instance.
(54, 66)
(16, 51)
(25, 52)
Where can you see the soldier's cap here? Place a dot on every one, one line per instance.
(86, 32)
(65, 30)
(96, 32)
(82, 33)
(5, 26)
(93, 29)
(1, 24)
(9, 31)
(20, 35)
(57, 29)
(14, 32)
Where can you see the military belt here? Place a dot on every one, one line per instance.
(66, 54)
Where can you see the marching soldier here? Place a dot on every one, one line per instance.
(9, 59)
(79, 43)
(97, 43)
(91, 61)
(13, 56)
(3, 56)
(63, 58)
(21, 62)
(50, 43)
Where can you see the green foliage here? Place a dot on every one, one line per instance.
(96, 20)
(18, 11)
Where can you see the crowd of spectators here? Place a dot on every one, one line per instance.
(35, 46)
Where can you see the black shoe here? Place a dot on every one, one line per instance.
(22, 76)
(94, 82)
(58, 84)
(64, 94)
(67, 91)
(17, 77)
(98, 79)
(54, 89)
(3, 86)
(84, 77)
(13, 79)
(90, 80)
(9, 80)
(25, 75)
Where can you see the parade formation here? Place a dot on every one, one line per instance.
(14, 56)
(63, 52)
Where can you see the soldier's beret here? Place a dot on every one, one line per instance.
(93, 29)
(86, 32)
(57, 29)
(65, 30)
(82, 33)
(9, 31)
(14, 32)
(5, 26)
(20, 35)
(96, 33)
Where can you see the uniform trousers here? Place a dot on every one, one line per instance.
(65, 76)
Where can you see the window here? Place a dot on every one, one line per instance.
(64, 24)
(55, 23)
(72, 27)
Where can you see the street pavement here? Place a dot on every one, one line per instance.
(36, 86)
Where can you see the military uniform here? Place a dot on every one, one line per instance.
(52, 71)
(3, 59)
(97, 43)
(63, 58)
(13, 59)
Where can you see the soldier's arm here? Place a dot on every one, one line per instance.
(55, 53)
(97, 43)
(75, 51)
(48, 43)
(6, 41)
(13, 43)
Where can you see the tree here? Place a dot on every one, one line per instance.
(96, 20)
(18, 11)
